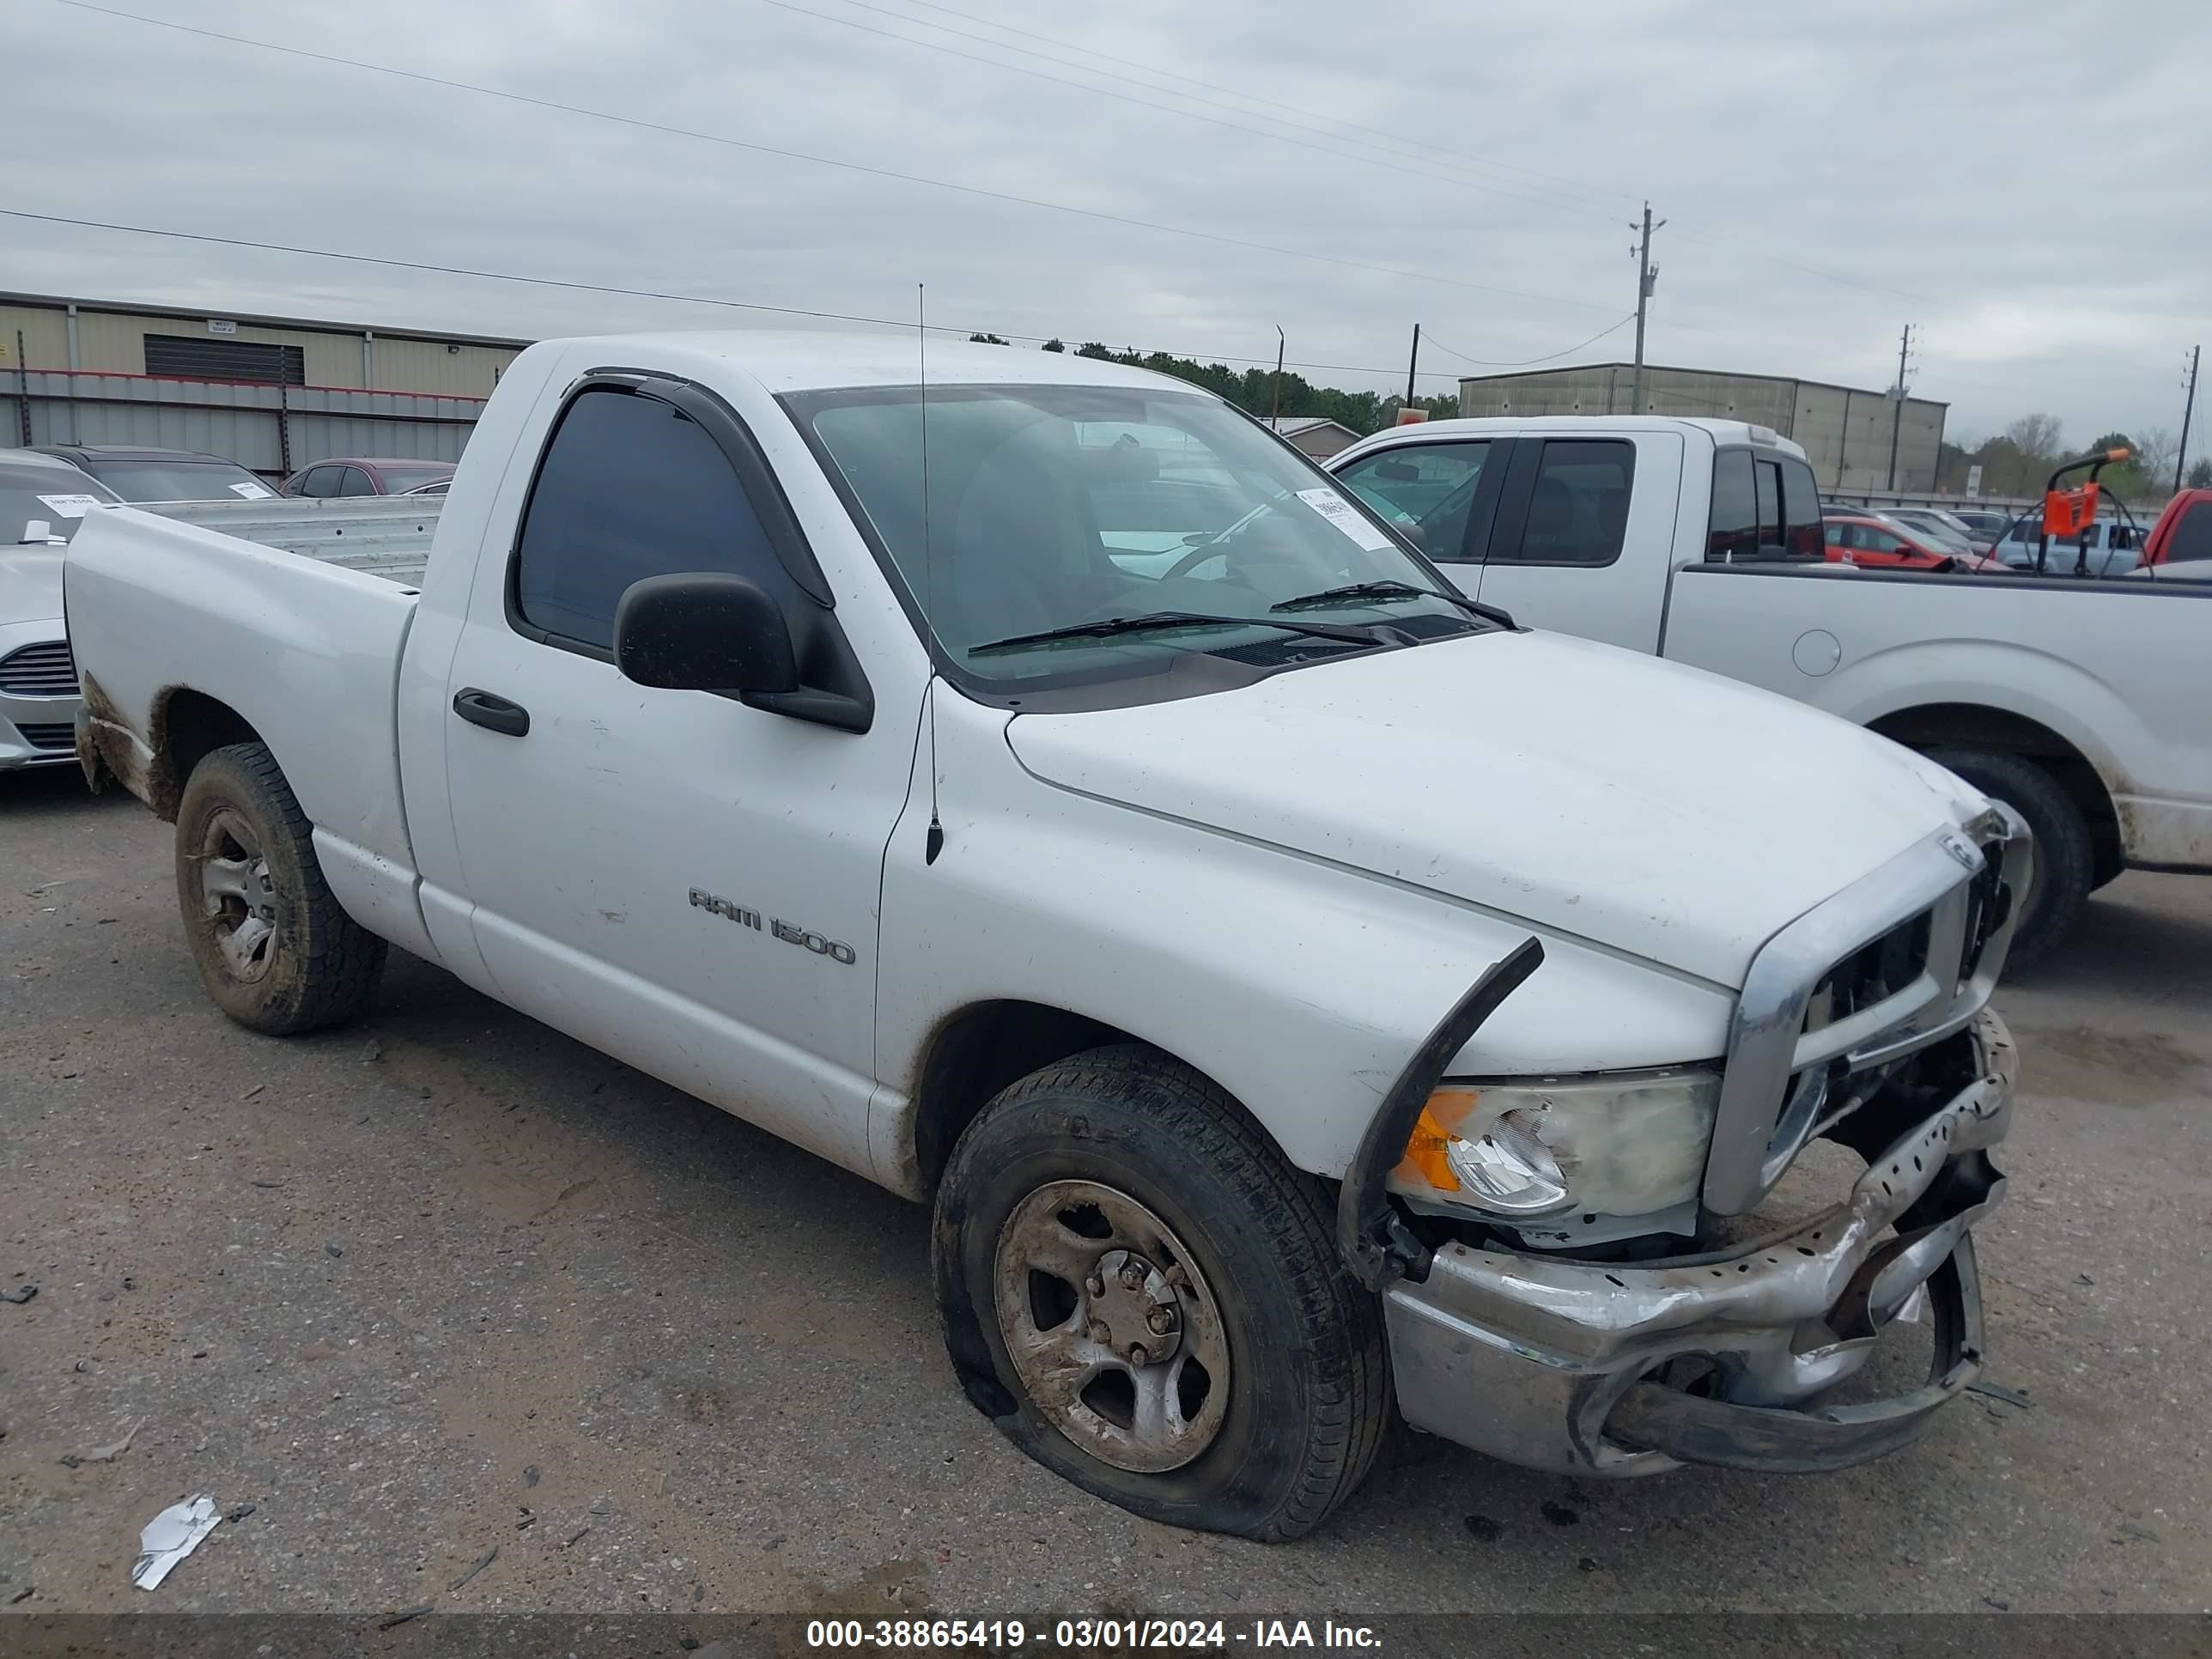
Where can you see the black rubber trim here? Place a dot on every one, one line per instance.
(1373, 1238)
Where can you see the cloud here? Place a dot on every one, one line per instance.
(2018, 185)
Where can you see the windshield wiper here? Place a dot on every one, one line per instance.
(1353, 592)
(1158, 619)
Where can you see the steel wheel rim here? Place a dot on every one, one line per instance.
(238, 900)
(1082, 1274)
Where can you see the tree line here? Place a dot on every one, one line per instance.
(2018, 460)
(1253, 389)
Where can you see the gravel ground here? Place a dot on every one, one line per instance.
(444, 1282)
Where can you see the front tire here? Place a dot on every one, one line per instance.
(1146, 1297)
(2065, 855)
(274, 949)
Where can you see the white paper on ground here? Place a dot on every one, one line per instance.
(171, 1537)
(1345, 517)
(71, 507)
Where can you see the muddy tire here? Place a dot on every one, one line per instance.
(2065, 855)
(274, 949)
(1116, 1201)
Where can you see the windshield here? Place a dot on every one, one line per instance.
(54, 495)
(1055, 506)
(181, 481)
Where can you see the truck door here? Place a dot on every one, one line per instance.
(1585, 535)
(681, 880)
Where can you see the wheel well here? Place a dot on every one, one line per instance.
(187, 727)
(1958, 725)
(978, 1052)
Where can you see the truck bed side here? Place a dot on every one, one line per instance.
(2117, 670)
(187, 638)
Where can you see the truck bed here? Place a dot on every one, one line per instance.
(386, 536)
(292, 616)
(2117, 667)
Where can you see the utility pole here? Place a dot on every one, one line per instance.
(2189, 407)
(1412, 364)
(1646, 278)
(1897, 407)
(1275, 418)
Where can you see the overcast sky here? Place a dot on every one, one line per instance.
(2023, 181)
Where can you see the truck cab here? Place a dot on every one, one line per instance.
(1578, 529)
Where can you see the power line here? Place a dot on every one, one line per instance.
(1524, 362)
(1394, 164)
(1455, 156)
(642, 293)
(1451, 157)
(828, 162)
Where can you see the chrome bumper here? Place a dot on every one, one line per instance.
(1553, 1364)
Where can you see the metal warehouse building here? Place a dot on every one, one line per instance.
(271, 393)
(1844, 430)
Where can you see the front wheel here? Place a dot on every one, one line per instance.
(1146, 1297)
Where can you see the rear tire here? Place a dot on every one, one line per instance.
(274, 949)
(2065, 856)
(1124, 1169)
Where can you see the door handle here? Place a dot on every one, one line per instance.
(491, 712)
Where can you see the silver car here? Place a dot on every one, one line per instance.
(42, 503)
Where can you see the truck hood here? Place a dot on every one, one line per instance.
(30, 584)
(1641, 805)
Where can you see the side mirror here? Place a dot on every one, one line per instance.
(703, 631)
(1413, 533)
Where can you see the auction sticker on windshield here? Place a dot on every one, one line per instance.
(71, 507)
(1347, 518)
(253, 492)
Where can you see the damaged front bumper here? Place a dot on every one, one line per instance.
(1576, 1365)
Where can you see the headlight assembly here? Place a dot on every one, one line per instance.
(1624, 1144)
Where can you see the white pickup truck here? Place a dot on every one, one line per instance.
(1292, 985)
(2084, 705)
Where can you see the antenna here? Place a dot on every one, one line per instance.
(921, 351)
(933, 842)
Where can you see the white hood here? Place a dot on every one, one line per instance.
(30, 584)
(1655, 809)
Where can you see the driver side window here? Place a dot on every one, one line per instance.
(1430, 487)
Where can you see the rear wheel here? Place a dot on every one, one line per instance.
(273, 947)
(1146, 1297)
(2065, 856)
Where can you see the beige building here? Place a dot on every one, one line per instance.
(1844, 430)
(272, 392)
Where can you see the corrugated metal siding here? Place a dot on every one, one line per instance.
(428, 365)
(46, 336)
(238, 421)
(114, 343)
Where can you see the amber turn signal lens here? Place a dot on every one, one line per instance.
(1424, 1160)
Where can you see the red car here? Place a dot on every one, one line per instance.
(365, 475)
(1882, 544)
(2181, 541)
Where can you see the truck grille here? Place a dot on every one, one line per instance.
(1850, 987)
(44, 670)
(53, 736)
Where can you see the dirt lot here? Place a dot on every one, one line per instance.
(444, 1281)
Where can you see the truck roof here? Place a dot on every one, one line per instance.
(799, 361)
(1721, 432)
